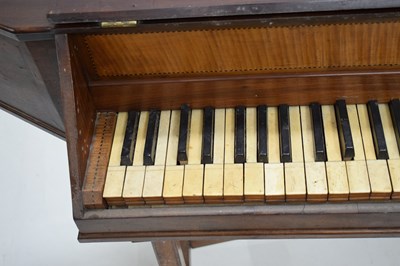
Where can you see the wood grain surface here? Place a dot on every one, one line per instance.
(249, 50)
(99, 156)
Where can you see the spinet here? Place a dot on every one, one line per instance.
(204, 54)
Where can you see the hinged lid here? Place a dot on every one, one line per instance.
(121, 10)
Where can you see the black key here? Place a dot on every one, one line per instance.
(183, 134)
(343, 124)
(318, 129)
(130, 138)
(208, 136)
(240, 134)
(262, 129)
(284, 133)
(395, 112)
(377, 130)
(151, 138)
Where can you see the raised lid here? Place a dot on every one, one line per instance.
(76, 12)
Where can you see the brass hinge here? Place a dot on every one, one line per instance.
(118, 24)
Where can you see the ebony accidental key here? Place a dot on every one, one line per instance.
(183, 134)
(377, 130)
(151, 138)
(284, 133)
(240, 134)
(262, 129)
(128, 146)
(343, 123)
(395, 112)
(208, 136)
(318, 130)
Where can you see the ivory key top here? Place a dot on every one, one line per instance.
(233, 173)
(357, 172)
(154, 176)
(214, 173)
(254, 182)
(114, 185)
(389, 133)
(253, 171)
(134, 178)
(273, 170)
(395, 112)
(173, 184)
(378, 172)
(338, 187)
(173, 179)
(115, 177)
(315, 173)
(133, 186)
(393, 150)
(295, 183)
(193, 183)
(118, 139)
(194, 170)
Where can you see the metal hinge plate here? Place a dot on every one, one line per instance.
(118, 24)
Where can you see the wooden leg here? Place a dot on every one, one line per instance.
(172, 253)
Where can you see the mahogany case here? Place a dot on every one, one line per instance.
(288, 59)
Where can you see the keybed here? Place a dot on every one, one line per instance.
(255, 154)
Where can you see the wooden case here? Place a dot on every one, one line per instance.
(272, 60)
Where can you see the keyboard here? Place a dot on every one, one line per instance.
(245, 154)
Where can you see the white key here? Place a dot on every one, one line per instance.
(357, 169)
(378, 172)
(295, 183)
(338, 186)
(194, 170)
(393, 150)
(317, 188)
(214, 173)
(253, 171)
(154, 175)
(134, 178)
(273, 170)
(233, 173)
(173, 179)
(115, 177)
(118, 139)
